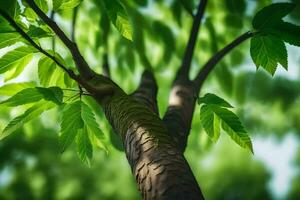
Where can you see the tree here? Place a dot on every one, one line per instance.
(154, 146)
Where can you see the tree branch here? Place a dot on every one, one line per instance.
(147, 91)
(99, 91)
(105, 65)
(210, 65)
(35, 45)
(189, 51)
(179, 114)
(81, 64)
(74, 19)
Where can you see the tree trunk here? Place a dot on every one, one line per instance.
(157, 162)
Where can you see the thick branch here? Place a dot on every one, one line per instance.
(81, 64)
(147, 91)
(209, 66)
(178, 117)
(189, 51)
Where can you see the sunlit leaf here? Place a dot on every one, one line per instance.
(84, 146)
(51, 75)
(71, 122)
(13, 88)
(7, 39)
(18, 68)
(16, 58)
(212, 99)
(65, 4)
(267, 52)
(31, 95)
(35, 111)
(119, 17)
(215, 113)
(210, 123)
(90, 121)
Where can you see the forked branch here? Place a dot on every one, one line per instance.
(179, 114)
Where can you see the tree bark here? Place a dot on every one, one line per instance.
(159, 166)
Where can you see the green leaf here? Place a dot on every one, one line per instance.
(288, 32)
(70, 124)
(90, 121)
(42, 4)
(17, 58)
(188, 6)
(33, 112)
(119, 17)
(210, 123)
(13, 88)
(37, 32)
(65, 4)
(267, 51)
(212, 99)
(18, 68)
(51, 75)
(213, 115)
(232, 125)
(271, 15)
(11, 7)
(84, 146)
(7, 39)
(5, 27)
(31, 95)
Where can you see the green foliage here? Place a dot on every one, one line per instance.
(214, 100)
(119, 17)
(84, 146)
(268, 51)
(51, 75)
(267, 47)
(31, 95)
(71, 123)
(214, 113)
(33, 112)
(7, 39)
(16, 60)
(12, 88)
(271, 15)
(42, 98)
(65, 4)
(287, 32)
(11, 7)
(78, 120)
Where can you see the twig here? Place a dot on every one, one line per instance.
(210, 65)
(81, 64)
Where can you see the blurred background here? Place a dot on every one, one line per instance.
(31, 166)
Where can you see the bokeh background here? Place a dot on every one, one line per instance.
(31, 166)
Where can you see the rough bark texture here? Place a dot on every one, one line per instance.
(147, 91)
(157, 163)
(179, 114)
